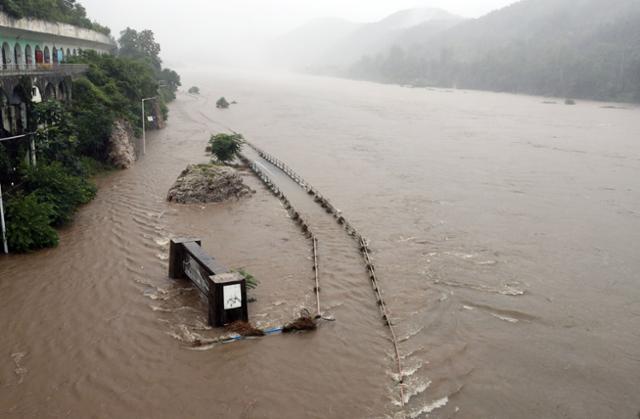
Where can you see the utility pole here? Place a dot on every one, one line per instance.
(4, 229)
(144, 133)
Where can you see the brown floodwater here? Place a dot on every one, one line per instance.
(504, 231)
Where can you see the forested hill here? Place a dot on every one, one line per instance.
(64, 11)
(567, 48)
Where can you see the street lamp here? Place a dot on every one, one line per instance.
(144, 133)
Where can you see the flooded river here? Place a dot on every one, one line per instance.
(504, 231)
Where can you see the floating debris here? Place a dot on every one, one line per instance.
(244, 329)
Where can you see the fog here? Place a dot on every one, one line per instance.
(238, 32)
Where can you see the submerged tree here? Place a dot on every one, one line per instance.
(222, 103)
(226, 146)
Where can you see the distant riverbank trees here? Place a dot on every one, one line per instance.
(72, 140)
(587, 49)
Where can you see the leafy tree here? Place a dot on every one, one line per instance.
(194, 90)
(56, 186)
(140, 45)
(55, 136)
(225, 146)
(169, 83)
(222, 103)
(29, 224)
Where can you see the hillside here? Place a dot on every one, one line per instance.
(572, 48)
(64, 11)
(336, 44)
(303, 46)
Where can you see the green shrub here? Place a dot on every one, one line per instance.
(56, 186)
(195, 90)
(29, 224)
(251, 281)
(226, 146)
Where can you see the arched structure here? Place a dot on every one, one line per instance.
(18, 55)
(55, 56)
(28, 56)
(6, 56)
(47, 55)
(39, 55)
(62, 91)
(68, 53)
(49, 92)
(5, 118)
(18, 110)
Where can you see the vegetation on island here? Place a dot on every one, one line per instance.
(72, 139)
(194, 90)
(222, 103)
(225, 146)
(63, 11)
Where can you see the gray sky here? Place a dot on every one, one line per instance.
(217, 30)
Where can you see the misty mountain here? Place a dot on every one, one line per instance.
(304, 45)
(335, 43)
(576, 48)
(376, 37)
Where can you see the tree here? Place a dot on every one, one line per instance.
(140, 45)
(194, 90)
(226, 146)
(169, 81)
(222, 103)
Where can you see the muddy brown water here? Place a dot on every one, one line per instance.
(504, 230)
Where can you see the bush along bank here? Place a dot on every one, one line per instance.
(75, 141)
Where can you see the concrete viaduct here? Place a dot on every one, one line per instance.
(38, 50)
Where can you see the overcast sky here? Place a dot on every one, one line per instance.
(217, 30)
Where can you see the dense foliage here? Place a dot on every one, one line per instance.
(29, 224)
(225, 146)
(56, 185)
(72, 140)
(194, 90)
(65, 11)
(142, 46)
(567, 48)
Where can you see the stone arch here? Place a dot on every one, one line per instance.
(47, 55)
(18, 95)
(18, 110)
(18, 55)
(75, 52)
(5, 120)
(68, 53)
(49, 92)
(62, 91)
(39, 55)
(55, 56)
(6, 55)
(28, 56)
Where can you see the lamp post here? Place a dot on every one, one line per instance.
(4, 229)
(144, 133)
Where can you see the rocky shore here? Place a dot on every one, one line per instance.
(205, 183)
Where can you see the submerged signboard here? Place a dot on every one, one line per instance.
(225, 291)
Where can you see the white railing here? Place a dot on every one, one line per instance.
(11, 69)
